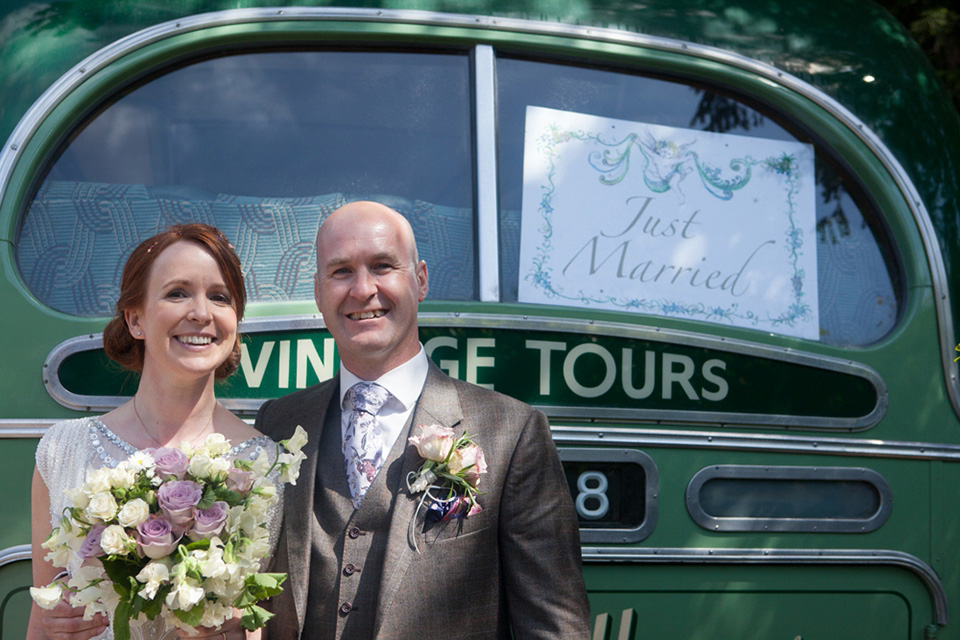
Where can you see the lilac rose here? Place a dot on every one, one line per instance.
(177, 501)
(91, 544)
(170, 462)
(155, 538)
(209, 522)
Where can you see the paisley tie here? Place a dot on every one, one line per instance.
(363, 442)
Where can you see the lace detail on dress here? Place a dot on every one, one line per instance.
(69, 448)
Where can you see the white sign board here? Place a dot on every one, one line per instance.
(675, 222)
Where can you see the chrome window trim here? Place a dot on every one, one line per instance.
(543, 323)
(485, 119)
(781, 524)
(651, 498)
(75, 76)
(773, 557)
(15, 554)
(768, 443)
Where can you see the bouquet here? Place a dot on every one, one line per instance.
(176, 532)
(449, 476)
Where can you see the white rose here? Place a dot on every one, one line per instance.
(200, 466)
(219, 467)
(122, 478)
(102, 506)
(217, 444)
(77, 497)
(98, 481)
(47, 597)
(115, 540)
(133, 513)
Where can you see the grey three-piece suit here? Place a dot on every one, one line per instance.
(355, 574)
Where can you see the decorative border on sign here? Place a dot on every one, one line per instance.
(666, 165)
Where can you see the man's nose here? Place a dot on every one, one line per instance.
(364, 285)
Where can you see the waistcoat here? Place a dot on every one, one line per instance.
(348, 546)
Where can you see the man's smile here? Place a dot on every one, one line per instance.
(367, 315)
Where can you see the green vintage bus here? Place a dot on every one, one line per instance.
(715, 242)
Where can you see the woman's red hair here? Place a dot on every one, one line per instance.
(122, 347)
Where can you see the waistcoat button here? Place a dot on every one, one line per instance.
(355, 532)
(350, 569)
(346, 608)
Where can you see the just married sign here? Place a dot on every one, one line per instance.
(668, 221)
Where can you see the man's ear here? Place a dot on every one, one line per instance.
(423, 283)
(316, 289)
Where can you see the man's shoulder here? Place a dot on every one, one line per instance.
(482, 397)
(293, 405)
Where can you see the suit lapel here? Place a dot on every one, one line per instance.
(438, 404)
(298, 499)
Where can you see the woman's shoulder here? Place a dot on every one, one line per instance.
(63, 441)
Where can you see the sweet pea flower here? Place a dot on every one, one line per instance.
(153, 576)
(239, 480)
(47, 597)
(185, 594)
(296, 442)
(115, 541)
(170, 462)
(177, 500)
(209, 522)
(133, 513)
(433, 442)
(156, 538)
(290, 466)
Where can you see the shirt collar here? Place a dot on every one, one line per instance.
(405, 382)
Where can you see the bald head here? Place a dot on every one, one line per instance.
(371, 215)
(369, 285)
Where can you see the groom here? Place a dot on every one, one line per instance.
(363, 562)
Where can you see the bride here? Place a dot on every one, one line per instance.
(181, 299)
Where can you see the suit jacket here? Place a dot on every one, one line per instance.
(513, 566)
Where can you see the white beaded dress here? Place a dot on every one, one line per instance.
(71, 447)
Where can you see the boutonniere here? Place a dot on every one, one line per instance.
(449, 477)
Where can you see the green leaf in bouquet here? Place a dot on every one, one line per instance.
(254, 617)
(209, 497)
(258, 587)
(120, 570)
(243, 465)
(191, 617)
(121, 621)
(229, 496)
(153, 607)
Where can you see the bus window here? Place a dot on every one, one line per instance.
(264, 146)
(857, 276)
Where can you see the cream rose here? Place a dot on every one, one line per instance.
(102, 506)
(200, 466)
(115, 540)
(133, 513)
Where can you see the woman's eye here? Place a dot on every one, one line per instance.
(220, 298)
(176, 293)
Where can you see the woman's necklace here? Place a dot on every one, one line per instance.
(207, 429)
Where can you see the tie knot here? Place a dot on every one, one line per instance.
(368, 397)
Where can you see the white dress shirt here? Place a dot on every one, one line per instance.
(405, 384)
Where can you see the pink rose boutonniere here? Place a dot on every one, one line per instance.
(449, 476)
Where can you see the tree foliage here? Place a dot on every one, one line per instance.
(935, 25)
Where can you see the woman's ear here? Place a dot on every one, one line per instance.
(132, 316)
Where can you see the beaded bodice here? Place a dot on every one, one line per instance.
(71, 447)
